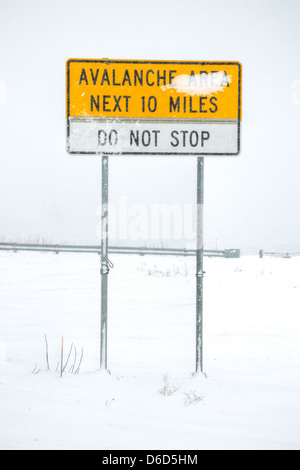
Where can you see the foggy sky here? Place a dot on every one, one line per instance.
(252, 201)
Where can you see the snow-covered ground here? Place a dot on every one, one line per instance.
(249, 398)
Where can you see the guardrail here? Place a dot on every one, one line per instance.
(232, 253)
(228, 253)
(51, 248)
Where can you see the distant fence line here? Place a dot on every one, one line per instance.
(228, 253)
(277, 254)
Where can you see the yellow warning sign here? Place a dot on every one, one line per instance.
(163, 90)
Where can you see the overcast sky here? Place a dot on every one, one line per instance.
(252, 201)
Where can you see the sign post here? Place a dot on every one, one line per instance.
(104, 263)
(199, 265)
(122, 107)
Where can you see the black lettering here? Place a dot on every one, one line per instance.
(152, 104)
(106, 103)
(126, 78)
(105, 78)
(83, 77)
(191, 105)
(202, 103)
(113, 140)
(155, 137)
(114, 79)
(225, 79)
(213, 101)
(102, 137)
(148, 140)
(184, 133)
(171, 75)
(204, 136)
(174, 106)
(94, 78)
(134, 137)
(117, 101)
(112, 137)
(161, 77)
(147, 78)
(138, 77)
(194, 142)
(94, 103)
(184, 104)
(174, 135)
(127, 98)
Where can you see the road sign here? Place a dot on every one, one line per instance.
(153, 107)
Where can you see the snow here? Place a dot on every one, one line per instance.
(248, 397)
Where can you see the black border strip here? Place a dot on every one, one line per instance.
(170, 62)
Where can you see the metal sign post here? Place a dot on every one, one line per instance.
(199, 266)
(104, 264)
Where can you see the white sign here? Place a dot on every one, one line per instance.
(166, 138)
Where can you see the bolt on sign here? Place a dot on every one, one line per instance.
(153, 107)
